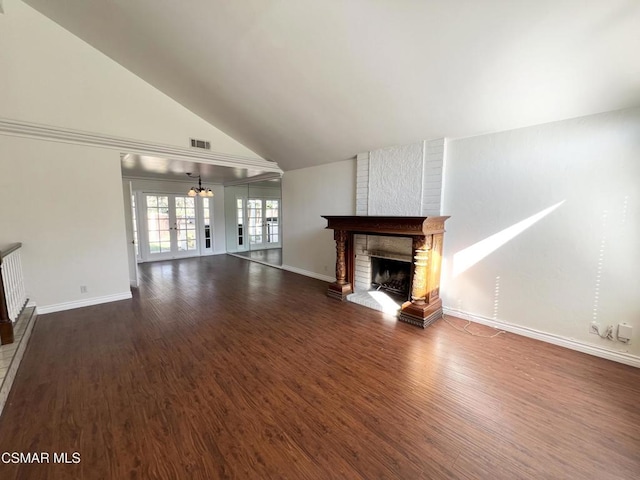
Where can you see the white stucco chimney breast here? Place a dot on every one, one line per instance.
(404, 180)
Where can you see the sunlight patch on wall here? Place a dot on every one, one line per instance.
(465, 259)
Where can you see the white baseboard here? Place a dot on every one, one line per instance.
(307, 273)
(620, 357)
(59, 307)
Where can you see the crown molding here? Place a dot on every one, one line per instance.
(163, 180)
(127, 145)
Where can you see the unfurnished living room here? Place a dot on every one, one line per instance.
(310, 239)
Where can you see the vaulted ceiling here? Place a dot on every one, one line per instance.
(306, 82)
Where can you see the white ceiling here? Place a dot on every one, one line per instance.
(306, 82)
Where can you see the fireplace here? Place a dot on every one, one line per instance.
(423, 234)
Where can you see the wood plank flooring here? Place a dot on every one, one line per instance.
(269, 256)
(221, 368)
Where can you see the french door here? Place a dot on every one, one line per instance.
(171, 228)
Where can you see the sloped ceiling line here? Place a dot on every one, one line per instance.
(57, 134)
(307, 82)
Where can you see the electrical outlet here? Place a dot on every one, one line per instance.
(594, 328)
(83, 289)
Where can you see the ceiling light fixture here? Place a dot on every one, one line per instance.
(199, 190)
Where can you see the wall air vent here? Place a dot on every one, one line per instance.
(203, 144)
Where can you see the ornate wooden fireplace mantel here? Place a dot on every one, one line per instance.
(427, 234)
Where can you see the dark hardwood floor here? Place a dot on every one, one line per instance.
(269, 256)
(223, 368)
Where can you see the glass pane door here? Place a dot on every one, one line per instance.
(158, 224)
(185, 224)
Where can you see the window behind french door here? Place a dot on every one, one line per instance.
(263, 222)
(255, 221)
(171, 229)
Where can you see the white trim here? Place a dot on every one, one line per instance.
(256, 178)
(78, 137)
(163, 180)
(620, 357)
(59, 307)
(307, 273)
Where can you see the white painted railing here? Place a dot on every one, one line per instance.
(13, 281)
(13, 296)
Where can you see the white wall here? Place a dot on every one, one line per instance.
(581, 261)
(64, 203)
(307, 194)
(51, 77)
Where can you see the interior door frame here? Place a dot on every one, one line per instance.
(134, 276)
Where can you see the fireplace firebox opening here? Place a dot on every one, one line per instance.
(391, 276)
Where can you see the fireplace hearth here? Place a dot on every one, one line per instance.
(426, 234)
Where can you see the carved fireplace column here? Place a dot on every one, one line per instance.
(425, 306)
(340, 236)
(341, 287)
(420, 269)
